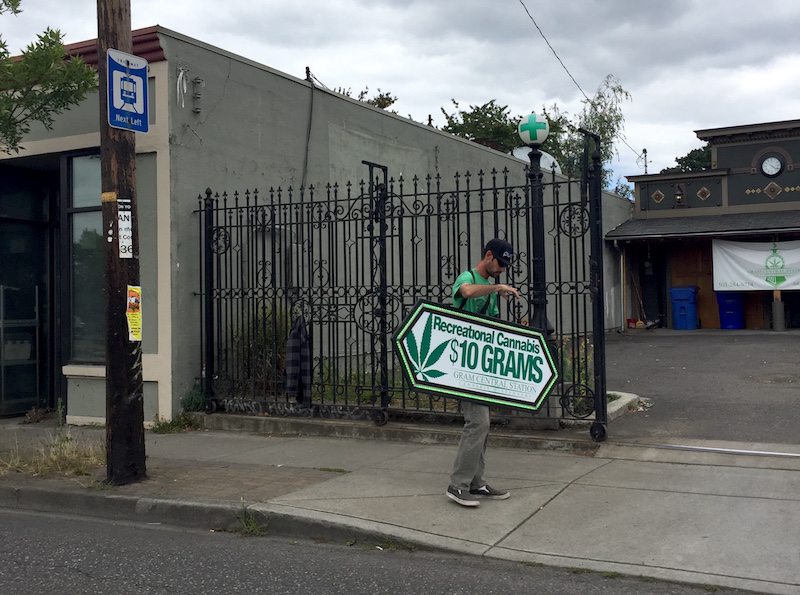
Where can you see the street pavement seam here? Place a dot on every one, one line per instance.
(700, 463)
(685, 492)
(548, 501)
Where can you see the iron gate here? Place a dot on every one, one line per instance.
(350, 261)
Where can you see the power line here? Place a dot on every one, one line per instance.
(564, 66)
(552, 49)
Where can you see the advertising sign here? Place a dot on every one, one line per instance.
(459, 354)
(745, 266)
(125, 228)
(133, 312)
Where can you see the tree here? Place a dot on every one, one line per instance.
(489, 124)
(383, 99)
(694, 160)
(601, 115)
(623, 189)
(38, 85)
(493, 125)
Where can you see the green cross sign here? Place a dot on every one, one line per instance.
(534, 130)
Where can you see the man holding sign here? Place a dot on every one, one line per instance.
(473, 292)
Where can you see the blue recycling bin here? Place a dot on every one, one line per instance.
(684, 307)
(731, 309)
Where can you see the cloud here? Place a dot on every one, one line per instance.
(688, 64)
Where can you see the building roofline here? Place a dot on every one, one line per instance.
(748, 131)
(711, 173)
(146, 44)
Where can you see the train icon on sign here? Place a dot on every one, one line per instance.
(127, 92)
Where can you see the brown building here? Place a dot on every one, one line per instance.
(750, 194)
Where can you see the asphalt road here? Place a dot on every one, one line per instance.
(43, 553)
(741, 386)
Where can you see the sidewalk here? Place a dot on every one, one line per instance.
(717, 519)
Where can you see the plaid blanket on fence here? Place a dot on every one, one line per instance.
(298, 362)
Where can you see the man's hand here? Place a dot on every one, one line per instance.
(506, 290)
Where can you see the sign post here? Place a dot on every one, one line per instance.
(123, 110)
(476, 358)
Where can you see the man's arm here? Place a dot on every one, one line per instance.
(473, 290)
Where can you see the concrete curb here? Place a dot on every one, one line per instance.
(276, 520)
(396, 432)
(183, 513)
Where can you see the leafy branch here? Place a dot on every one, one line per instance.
(38, 85)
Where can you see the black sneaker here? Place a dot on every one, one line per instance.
(463, 497)
(488, 491)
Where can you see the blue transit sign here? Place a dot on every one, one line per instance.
(127, 92)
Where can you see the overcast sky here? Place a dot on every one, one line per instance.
(688, 64)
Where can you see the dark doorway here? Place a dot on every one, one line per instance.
(29, 189)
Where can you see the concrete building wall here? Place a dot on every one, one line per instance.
(242, 125)
(255, 127)
(616, 210)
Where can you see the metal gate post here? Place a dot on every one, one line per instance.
(382, 292)
(539, 299)
(378, 198)
(208, 301)
(598, 428)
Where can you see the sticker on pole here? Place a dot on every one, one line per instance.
(459, 354)
(125, 227)
(133, 312)
(127, 91)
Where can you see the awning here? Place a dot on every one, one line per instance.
(717, 226)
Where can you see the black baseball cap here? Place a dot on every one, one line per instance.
(501, 250)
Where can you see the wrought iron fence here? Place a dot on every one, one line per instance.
(353, 259)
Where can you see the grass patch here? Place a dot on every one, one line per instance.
(250, 524)
(532, 564)
(613, 397)
(183, 422)
(60, 454)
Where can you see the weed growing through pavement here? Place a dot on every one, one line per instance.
(183, 422)
(332, 469)
(250, 524)
(389, 545)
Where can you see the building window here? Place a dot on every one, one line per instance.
(86, 262)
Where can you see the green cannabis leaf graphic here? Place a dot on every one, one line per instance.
(423, 362)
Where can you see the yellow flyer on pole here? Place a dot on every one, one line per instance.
(133, 313)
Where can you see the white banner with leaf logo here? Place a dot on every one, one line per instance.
(746, 266)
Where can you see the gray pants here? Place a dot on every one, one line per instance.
(469, 463)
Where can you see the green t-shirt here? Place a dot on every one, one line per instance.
(475, 304)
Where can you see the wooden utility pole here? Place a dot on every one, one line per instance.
(125, 458)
